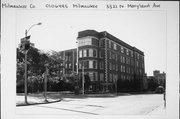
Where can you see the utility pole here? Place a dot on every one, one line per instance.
(116, 86)
(26, 47)
(77, 58)
(106, 65)
(64, 58)
(25, 83)
(45, 82)
(83, 79)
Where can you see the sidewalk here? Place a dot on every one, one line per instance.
(158, 111)
(39, 98)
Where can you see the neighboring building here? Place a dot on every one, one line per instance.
(152, 84)
(160, 77)
(145, 82)
(69, 63)
(106, 60)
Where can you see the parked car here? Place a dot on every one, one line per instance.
(159, 89)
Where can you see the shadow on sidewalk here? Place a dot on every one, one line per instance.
(35, 103)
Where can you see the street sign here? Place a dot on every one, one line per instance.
(25, 43)
(23, 40)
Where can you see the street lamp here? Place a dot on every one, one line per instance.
(26, 32)
(26, 50)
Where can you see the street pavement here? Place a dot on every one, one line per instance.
(141, 104)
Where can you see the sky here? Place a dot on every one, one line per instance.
(146, 30)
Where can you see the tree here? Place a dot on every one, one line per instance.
(35, 65)
(20, 71)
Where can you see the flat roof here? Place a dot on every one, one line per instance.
(108, 35)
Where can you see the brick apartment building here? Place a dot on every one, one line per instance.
(107, 61)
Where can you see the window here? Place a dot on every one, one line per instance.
(86, 41)
(87, 50)
(101, 77)
(113, 56)
(94, 53)
(131, 54)
(94, 64)
(110, 55)
(80, 53)
(124, 69)
(86, 64)
(90, 64)
(80, 65)
(137, 64)
(110, 66)
(137, 56)
(115, 46)
(132, 71)
(66, 58)
(115, 77)
(91, 76)
(100, 54)
(127, 61)
(66, 65)
(90, 52)
(61, 64)
(101, 65)
(85, 53)
(116, 57)
(140, 57)
(122, 49)
(116, 67)
(101, 42)
(127, 52)
(95, 76)
(123, 59)
(69, 58)
(79, 42)
(109, 44)
(110, 77)
(132, 62)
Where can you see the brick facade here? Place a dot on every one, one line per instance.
(107, 60)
